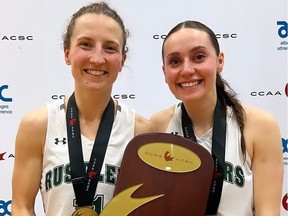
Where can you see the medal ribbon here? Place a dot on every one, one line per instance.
(85, 182)
(218, 152)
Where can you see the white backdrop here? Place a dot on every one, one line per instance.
(33, 71)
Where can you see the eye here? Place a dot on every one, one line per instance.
(85, 44)
(111, 49)
(174, 61)
(199, 57)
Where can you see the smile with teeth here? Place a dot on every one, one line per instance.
(95, 72)
(190, 84)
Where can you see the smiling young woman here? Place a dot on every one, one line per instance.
(86, 131)
(249, 156)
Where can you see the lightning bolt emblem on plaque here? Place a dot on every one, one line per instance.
(123, 203)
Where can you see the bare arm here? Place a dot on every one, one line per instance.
(28, 162)
(267, 162)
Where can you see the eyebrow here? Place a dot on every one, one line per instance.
(193, 49)
(91, 39)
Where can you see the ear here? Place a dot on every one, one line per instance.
(122, 62)
(66, 56)
(220, 63)
(163, 69)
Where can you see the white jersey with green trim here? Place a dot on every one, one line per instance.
(56, 187)
(237, 192)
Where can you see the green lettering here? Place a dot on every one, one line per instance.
(98, 203)
(239, 176)
(228, 172)
(48, 183)
(67, 176)
(58, 175)
(111, 174)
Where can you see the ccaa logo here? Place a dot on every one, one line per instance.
(265, 93)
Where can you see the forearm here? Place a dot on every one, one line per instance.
(21, 211)
(24, 189)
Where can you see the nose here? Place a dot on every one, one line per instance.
(97, 56)
(188, 67)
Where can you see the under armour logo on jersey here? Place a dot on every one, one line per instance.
(63, 141)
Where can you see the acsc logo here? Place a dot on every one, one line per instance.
(5, 207)
(283, 29)
(124, 96)
(16, 38)
(3, 98)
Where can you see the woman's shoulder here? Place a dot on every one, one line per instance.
(257, 115)
(36, 114)
(35, 120)
(261, 130)
(31, 133)
(161, 119)
(260, 124)
(143, 125)
(163, 114)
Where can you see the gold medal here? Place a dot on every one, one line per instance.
(85, 211)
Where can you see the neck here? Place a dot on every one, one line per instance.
(90, 105)
(201, 115)
(90, 110)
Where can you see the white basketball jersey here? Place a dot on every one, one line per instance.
(56, 187)
(237, 193)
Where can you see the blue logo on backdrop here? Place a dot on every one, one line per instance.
(283, 34)
(285, 145)
(283, 30)
(3, 98)
(285, 150)
(5, 207)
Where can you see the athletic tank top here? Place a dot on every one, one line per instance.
(56, 187)
(237, 192)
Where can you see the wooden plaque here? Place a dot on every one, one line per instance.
(162, 174)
